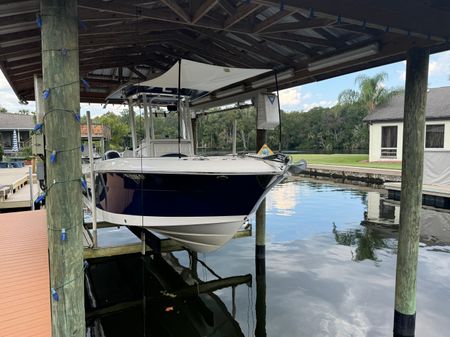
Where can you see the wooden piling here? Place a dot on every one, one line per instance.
(260, 255)
(411, 200)
(61, 82)
(260, 249)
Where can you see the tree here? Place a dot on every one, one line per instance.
(3, 110)
(119, 128)
(372, 91)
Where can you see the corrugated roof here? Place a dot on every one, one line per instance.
(438, 107)
(11, 121)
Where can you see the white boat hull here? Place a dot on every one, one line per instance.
(201, 234)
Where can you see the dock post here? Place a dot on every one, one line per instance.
(260, 249)
(233, 151)
(92, 178)
(194, 134)
(260, 255)
(411, 192)
(61, 82)
(132, 117)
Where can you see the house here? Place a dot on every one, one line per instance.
(386, 126)
(100, 134)
(21, 124)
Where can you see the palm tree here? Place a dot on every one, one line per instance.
(372, 91)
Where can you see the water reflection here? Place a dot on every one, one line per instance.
(156, 296)
(330, 271)
(383, 217)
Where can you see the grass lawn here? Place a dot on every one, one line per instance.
(361, 160)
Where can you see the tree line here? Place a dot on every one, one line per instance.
(338, 128)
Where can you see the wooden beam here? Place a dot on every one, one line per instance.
(18, 50)
(416, 18)
(19, 19)
(228, 7)
(296, 26)
(294, 46)
(239, 49)
(271, 20)
(19, 36)
(173, 5)
(204, 8)
(63, 176)
(303, 39)
(262, 48)
(138, 73)
(241, 13)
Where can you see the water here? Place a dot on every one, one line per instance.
(330, 271)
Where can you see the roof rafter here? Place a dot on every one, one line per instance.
(204, 8)
(241, 13)
(173, 5)
(271, 20)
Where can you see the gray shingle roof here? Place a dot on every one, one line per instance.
(438, 107)
(10, 121)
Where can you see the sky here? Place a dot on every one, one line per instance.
(302, 98)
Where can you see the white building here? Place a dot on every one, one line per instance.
(386, 126)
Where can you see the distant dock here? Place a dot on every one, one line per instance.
(15, 190)
(350, 173)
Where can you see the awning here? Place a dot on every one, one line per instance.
(201, 76)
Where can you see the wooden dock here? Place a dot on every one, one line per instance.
(432, 195)
(24, 275)
(354, 173)
(15, 188)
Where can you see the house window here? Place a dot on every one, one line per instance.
(434, 136)
(389, 142)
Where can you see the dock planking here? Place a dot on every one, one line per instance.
(24, 275)
(15, 188)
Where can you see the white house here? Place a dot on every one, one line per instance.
(386, 126)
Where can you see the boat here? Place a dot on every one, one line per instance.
(162, 186)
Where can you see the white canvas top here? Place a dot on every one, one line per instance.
(201, 76)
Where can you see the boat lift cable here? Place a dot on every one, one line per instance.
(194, 257)
(179, 108)
(279, 111)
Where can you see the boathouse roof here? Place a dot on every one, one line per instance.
(15, 121)
(438, 107)
(125, 41)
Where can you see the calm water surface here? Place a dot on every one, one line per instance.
(330, 271)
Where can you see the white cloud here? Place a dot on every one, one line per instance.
(3, 82)
(323, 103)
(401, 75)
(440, 64)
(293, 98)
(438, 67)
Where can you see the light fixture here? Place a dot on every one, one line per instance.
(230, 92)
(348, 56)
(201, 100)
(270, 80)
